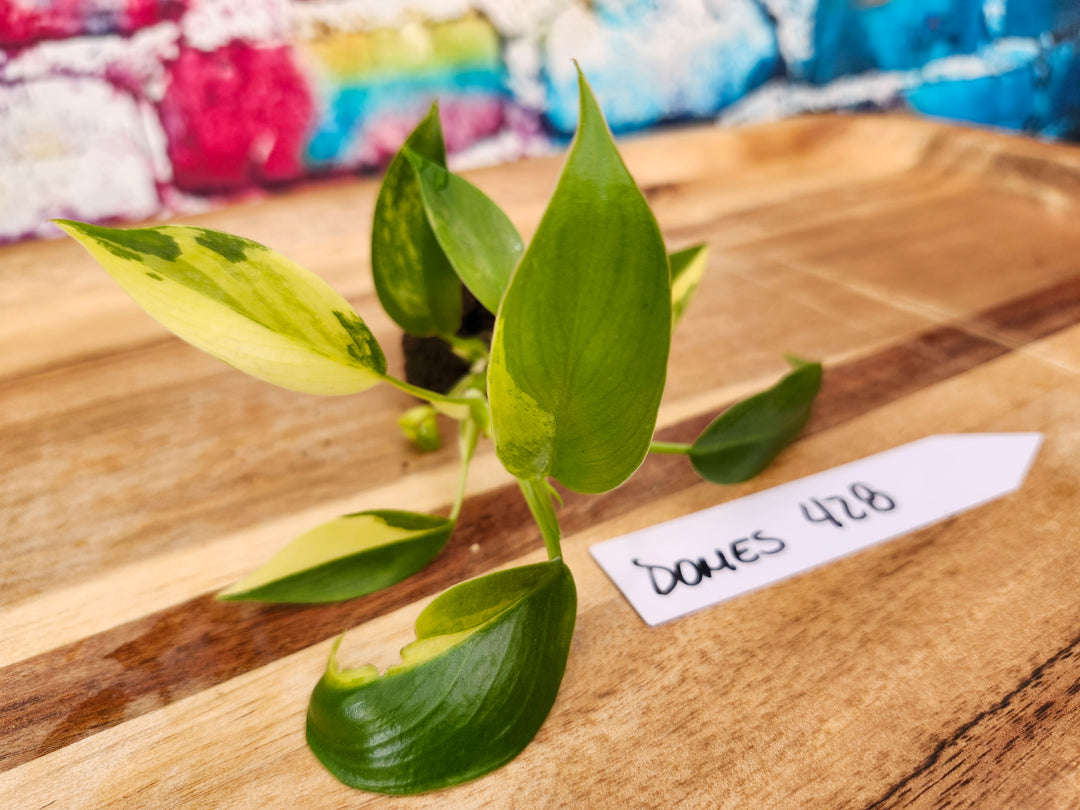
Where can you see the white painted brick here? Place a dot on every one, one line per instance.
(72, 147)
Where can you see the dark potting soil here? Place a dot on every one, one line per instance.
(429, 361)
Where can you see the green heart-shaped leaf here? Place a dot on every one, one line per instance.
(469, 695)
(480, 241)
(347, 557)
(745, 438)
(242, 303)
(413, 278)
(687, 268)
(580, 346)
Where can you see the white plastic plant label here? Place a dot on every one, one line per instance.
(692, 562)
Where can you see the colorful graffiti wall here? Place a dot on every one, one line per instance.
(121, 110)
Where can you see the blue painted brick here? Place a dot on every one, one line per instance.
(853, 36)
(1030, 18)
(659, 63)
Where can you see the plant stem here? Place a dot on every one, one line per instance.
(538, 496)
(467, 436)
(674, 448)
(454, 407)
(467, 348)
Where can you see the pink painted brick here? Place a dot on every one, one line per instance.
(24, 22)
(235, 117)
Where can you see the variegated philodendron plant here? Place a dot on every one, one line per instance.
(569, 390)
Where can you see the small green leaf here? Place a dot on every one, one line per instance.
(745, 438)
(242, 303)
(421, 427)
(687, 268)
(480, 241)
(580, 346)
(413, 278)
(469, 695)
(347, 557)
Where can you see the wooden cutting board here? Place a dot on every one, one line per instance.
(935, 271)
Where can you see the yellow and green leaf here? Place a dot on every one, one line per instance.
(413, 278)
(687, 269)
(470, 693)
(242, 303)
(580, 347)
(347, 557)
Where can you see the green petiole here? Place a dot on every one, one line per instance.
(469, 349)
(459, 408)
(468, 435)
(670, 448)
(538, 495)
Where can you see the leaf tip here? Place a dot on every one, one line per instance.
(73, 228)
(583, 83)
(797, 362)
(421, 163)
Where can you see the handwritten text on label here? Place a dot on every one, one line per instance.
(698, 560)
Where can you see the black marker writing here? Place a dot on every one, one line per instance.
(744, 551)
(838, 509)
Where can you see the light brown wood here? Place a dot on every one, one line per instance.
(935, 270)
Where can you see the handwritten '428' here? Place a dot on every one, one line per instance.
(858, 503)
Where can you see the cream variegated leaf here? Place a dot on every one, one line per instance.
(346, 557)
(242, 303)
(580, 347)
(687, 269)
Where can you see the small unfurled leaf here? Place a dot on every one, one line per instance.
(242, 303)
(480, 241)
(421, 427)
(347, 557)
(413, 278)
(579, 352)
(745, 438)
(687, 268)
(469, 695)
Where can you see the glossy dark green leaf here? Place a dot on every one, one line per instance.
(580, 346)
(480, 241)
(347, 557)
(413, 278)
(469, 695)
(687, 268)
(745, 438)
(242, 303)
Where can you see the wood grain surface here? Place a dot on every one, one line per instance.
(935, 271)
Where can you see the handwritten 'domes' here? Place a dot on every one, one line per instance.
(744, 551)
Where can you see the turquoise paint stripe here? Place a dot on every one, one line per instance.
(354, 104)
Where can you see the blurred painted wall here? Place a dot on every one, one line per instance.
(116, 110)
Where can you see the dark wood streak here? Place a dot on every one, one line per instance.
(72, 692)
(1047, 311)
(974, 749)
